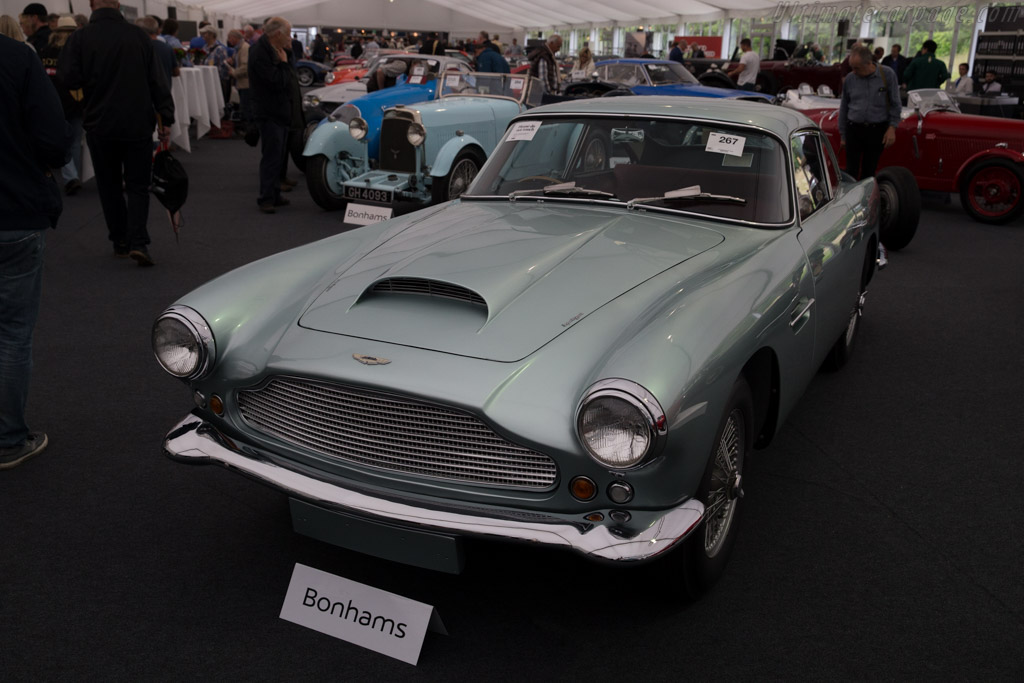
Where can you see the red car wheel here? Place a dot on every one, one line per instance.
(992, 191)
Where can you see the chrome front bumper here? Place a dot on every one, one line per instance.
(193, 440)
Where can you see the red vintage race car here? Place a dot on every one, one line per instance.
(775, 76)
(981, 157)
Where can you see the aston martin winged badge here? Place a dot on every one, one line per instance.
(370, 360)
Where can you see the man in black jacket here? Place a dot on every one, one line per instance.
(34, 24)
(275, 90)
(125, 89)
(34, 138)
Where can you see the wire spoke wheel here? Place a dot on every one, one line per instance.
(461, 177)
(994, 191)
(726, 476)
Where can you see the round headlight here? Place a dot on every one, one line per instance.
(416, 134)
(329, 78)
(357, 128)
(615, 431)
(183, 343)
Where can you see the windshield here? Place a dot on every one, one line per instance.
(670, 74)
(931, 99)
(516, 87)
(622, 159)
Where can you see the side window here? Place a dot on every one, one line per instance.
(831, 165)
(812, 190)
(625, 74)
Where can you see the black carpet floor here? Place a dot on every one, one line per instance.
(881, 536)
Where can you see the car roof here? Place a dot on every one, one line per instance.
(778, 120)
(635, 60)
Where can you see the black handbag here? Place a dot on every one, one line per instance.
(170, 185)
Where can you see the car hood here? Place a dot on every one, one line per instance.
(498, 280)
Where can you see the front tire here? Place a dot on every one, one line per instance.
(991, 191)
(305, 76)
(706, 551)
(463, 171)
(322, 187)
(900, 206)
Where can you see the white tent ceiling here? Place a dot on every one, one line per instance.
(520, 14)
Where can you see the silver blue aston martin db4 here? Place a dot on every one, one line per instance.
(580, 352)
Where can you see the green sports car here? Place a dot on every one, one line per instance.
(579, 352)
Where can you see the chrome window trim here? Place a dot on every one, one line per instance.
(787, 162)
(201, 331)
(638, 397)
(816, 134)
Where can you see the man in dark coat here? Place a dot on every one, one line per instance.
(126, 90)
(33, 139)
(274, 86)
(896, 61)
(35, 24)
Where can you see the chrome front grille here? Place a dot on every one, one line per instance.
(411, 285)
(392, 433)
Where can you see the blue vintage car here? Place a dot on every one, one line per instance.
(581, 352)
(665, 77)
(333, 155)
(432, 151)
(310, 72)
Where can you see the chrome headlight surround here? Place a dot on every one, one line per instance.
(416, 134)
(358, 128)
(178, 330)
(312, 100)
(635, 414)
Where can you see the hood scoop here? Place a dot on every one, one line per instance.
(424, 287)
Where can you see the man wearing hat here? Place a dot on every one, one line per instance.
(71, 102)
(35, 24)
(489, 61)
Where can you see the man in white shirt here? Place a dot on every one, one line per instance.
(746, 72)
(965, 84)
(990, 86)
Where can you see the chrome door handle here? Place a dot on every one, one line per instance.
(802, 314)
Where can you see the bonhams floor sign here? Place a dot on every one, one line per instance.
(367, 616)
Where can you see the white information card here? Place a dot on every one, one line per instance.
(725, 144)
(360, 614)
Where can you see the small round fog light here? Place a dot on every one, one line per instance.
(620, 492)
(199, 399)
(582, 488)
(216, 404)
(620, 516)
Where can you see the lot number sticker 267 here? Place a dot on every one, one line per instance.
(725, 143)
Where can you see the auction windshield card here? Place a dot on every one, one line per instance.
(726, 143)
(357, 613)
(524, 130)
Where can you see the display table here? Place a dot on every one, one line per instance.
(197, 95)
(1003, 106)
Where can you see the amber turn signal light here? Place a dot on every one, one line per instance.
(582, 488)
(216, 404)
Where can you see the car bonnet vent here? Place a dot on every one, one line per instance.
(444, 290)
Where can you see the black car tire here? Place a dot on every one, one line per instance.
(900, 208)
(460, 175)
(319, 189)
(716, 79)
(305, 75)
(705, 552)
(993, 172)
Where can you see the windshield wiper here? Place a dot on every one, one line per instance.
(688, 193)
(562, 190)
